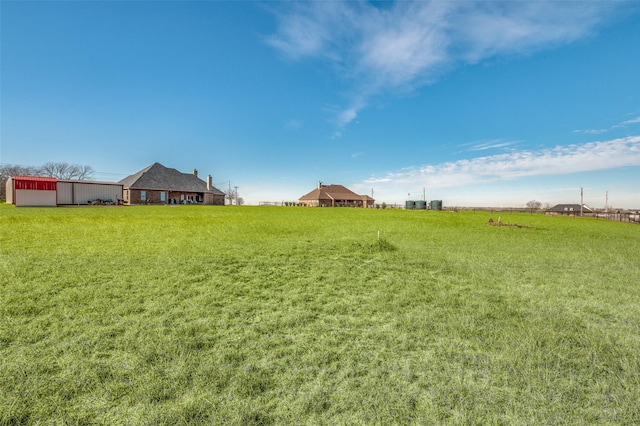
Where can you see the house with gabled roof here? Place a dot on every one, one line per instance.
(158, 184)
(569, 209)
(334, 196)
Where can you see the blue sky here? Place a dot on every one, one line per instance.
(472, 103)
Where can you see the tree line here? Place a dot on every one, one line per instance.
(60, 170)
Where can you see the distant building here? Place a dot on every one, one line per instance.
(569, 209)
(158, 184)
(335, 196)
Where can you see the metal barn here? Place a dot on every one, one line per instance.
(37, 191)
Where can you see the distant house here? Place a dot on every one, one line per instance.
(569, 209)
(158, 184)
(335, 196)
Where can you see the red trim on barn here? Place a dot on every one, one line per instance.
(36, 183)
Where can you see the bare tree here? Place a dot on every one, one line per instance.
(66, 171)
(533, 205)
(10, 170)
(233, 198)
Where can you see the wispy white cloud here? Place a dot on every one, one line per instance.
(348, 115)
(344, 116)
(307, 30)
(593, 156)
(493, 144)
(632, 121)
(594, 131)
(610, 128)
(412, 42)
(482, 30)
(402, 45)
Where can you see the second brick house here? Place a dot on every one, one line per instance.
(334, 196)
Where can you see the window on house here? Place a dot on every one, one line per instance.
(163, 196)
(143, 195)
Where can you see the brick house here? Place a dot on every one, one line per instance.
(158, 184)
(335, 196)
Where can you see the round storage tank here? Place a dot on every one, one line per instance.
(421, 205)
(410, 205)
(436, 204)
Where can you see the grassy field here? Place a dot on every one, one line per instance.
(259, 315)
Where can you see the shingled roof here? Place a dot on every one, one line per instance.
(159, 177)
(327, 192)
(569, 208)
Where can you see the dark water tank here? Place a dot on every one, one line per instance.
(421, 205)
(436, 205)
(410, 205)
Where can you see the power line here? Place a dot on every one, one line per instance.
(111, 173)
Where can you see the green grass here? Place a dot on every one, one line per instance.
(257, 315)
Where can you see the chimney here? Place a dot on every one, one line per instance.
(195, 172)
(209, 182)
(319, 185)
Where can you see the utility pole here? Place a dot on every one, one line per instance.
(581, 200)
(606, 202)
(236, 188)
(230, 199)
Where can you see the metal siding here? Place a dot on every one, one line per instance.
(65, 193)
(37, 183)
(33, 198)
(9, 192)
(85, 192)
